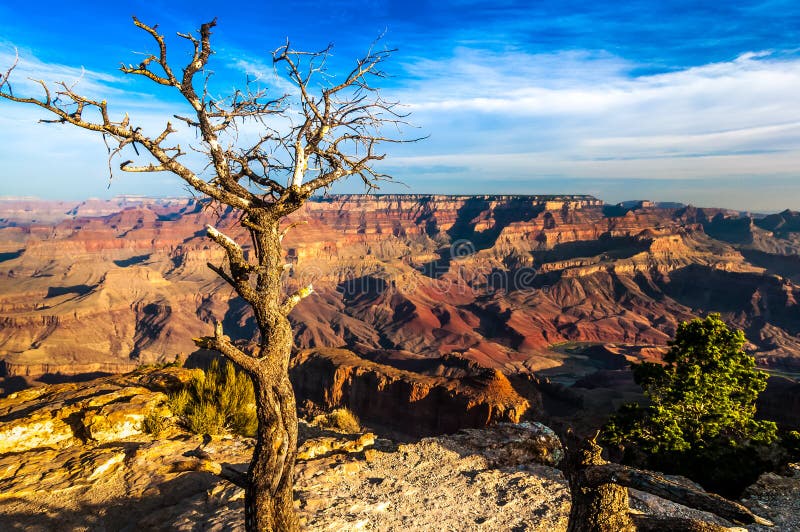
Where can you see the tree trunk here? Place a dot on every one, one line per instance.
(600, 508)
(650, 482)
(650, 523)
(269, 501)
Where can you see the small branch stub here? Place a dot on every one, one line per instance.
(221, 343)
(295, 298)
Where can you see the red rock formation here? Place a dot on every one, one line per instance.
(413, 402)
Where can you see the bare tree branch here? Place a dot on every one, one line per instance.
(222, 344)
(143, 69)
(291, 226)
(240, 269)
(125, 166)
(295, 298)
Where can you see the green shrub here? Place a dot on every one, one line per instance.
(204, 417)
(179, 401)
(341, 419)
(791, 442)
(704, 396)
(221, 398)
(154, 423)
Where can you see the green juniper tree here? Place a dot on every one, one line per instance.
(702, 401)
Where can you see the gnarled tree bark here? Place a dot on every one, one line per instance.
(601, 507)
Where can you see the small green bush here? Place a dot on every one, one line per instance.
(154, 423)
(204, 418)
(791, 442)
(341, 419)
(178, 401)
(221, 398)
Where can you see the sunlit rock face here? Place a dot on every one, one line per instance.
(70, 414)
(442, 399)
(102, 286)
(95, 472)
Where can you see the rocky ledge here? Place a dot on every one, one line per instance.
(62, 469)
(99, 411)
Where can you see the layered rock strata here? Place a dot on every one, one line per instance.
(497, 279)
(411, 402)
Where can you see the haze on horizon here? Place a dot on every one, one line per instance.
(683, 101)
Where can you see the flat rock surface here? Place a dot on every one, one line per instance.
(435, 484)
(776, 497)
(138, 483)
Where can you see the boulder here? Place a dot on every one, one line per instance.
(103, 410)
(46, 428)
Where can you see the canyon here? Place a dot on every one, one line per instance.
(537, 303)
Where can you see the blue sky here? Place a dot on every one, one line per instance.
(696, 102)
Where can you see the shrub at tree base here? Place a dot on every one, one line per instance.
(220, 398)
(701, 418)
(791, 442)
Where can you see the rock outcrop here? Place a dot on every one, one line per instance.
(769, 496)
(497, 478)
(411, 402)
(67, 415)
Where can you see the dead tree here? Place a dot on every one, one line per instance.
(595, 508)
(333, 131)
(600, 495)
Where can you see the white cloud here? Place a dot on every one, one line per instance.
(525, 165)
(30, 68)
(592, 115)
(53, 159)
(263, 74)
(747, 84)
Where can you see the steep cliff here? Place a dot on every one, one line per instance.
(408, 401)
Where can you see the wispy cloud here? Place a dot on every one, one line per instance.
(29, 69)
(62, 160)
(591, 109)
(261, 73)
